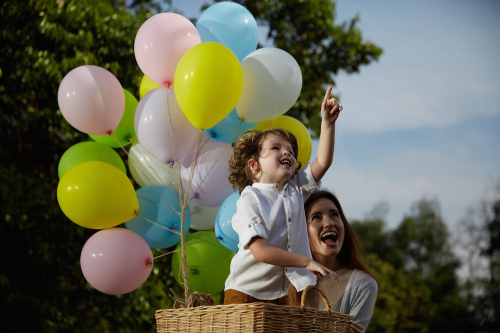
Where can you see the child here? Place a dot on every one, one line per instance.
(270, 219)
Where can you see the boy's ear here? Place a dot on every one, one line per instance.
(252, 164)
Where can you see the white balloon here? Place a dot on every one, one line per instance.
(161, 126)
(202, 217)
(139, 162)
(272, 81)
(210, 185)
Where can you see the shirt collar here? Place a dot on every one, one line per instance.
(269, 186)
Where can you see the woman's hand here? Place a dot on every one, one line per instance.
(330, 109)
(318, 269)
(355, 328)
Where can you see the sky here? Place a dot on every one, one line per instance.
(423, 121)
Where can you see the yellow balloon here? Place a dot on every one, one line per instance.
(295, 127)
(147, 85)
(208, 83)
(97, 195)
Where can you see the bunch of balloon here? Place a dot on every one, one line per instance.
(94, 190)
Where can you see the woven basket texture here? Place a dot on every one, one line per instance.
(253, 317)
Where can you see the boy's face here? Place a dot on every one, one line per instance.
(277, 163)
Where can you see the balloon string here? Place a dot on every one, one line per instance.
(215, 162)
(201, 203)
(161, 180)
(183, 216)
(202, 240)
(170, 123)
(174, 231)
(156, 203)
(138, 167)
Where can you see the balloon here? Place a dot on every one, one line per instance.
(202, 217)
(223, 227)
(116, 261)
(272, 84)
(161, 42)
(150, 198)
(145, 169)
(159, 120)
(295, 127)
(208, 83)
(230, 24)
(146, 86)
(228, 129)
(89, 151)
(208, 263)
(210, 185)
(125, 129)
(96, 195)
(92, 100)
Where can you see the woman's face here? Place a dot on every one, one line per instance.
(325, 228)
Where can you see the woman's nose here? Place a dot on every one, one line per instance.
(327, 222)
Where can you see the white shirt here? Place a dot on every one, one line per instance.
(279, 217)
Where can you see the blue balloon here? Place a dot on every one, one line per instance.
(224, 131)
(223, 227)
(229, 24)
(165, 215)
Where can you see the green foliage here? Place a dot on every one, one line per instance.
(419, 288)
(307, 30)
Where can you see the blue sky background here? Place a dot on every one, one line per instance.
(423, 121)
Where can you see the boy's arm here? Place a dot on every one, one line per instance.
(329, 113)
(278, 257)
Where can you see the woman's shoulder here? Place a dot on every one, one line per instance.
(361, 279)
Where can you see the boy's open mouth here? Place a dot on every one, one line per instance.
(286, 161)
(329, 238)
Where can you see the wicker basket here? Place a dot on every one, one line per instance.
(253, 317)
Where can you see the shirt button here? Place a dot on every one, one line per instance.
(276, 186)
(284, 195)
(286, 269)
(249, 225)
(288, 245)
(289, 219)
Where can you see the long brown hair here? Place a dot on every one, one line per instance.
(248, 147)
(351, 254)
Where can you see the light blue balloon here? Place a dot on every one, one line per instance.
(225, 128)
(230, 24)
(156, 236)
(223, 227)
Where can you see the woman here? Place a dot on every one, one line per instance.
(334, 244)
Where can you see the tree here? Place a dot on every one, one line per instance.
(40, 279)
(419, 287)
(480, 234)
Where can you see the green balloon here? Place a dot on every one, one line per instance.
(125, 129)
(89, 151)
(208, 263)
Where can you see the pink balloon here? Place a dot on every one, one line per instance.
(92, 100)
(154, 131)
(116, 261)
(215, 188)
(161, 42)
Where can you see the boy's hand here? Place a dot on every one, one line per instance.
(318, 269)
(330, 110)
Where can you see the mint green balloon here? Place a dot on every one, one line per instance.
(125, 129)
(208, 263)
(89, 151)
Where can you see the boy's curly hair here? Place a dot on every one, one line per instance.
(248, 147)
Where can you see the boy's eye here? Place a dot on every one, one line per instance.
(275, 148)
(314, 217)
